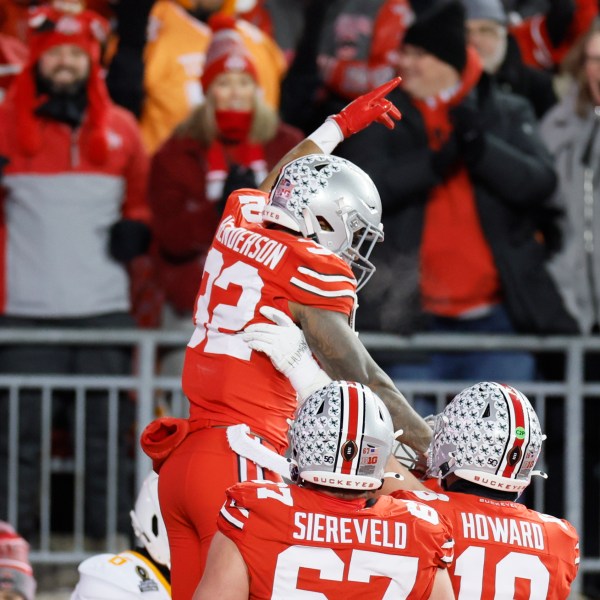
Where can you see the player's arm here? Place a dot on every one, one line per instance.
(343, 356)
(405, 481)
(225, 575)
(353, 118)
(442, 586)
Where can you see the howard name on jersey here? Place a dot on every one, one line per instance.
(249, 266)
(295, 539)
(504, 549)
(124, 576)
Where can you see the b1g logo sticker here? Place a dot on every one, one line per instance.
(514, 455)
(349, 450)
(370, 455)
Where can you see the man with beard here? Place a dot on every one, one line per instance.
(73, 214)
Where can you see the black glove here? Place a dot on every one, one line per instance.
(238, 177)
(469, 129)
(128, 239)
(548, 220)
(125, 79)
(444, 159)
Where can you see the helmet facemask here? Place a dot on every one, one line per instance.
(363, 242)
(332, 201)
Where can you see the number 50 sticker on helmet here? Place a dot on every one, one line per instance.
(342, 437)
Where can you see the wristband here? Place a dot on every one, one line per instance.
(320, 380)
(327, 136)
(304, 373)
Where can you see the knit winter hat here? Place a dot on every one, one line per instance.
(16, 574)
(489, 10)
(50, 27)
(227, 52)
(441, 32)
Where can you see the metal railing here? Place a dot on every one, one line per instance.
(572, 394)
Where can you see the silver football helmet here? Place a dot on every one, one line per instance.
(342, 437)
(148, 524)
(329, 199)
(489, 434)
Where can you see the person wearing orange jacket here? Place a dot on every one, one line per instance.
(174, 58)
(73, 215)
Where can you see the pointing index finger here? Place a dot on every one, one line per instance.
(387, 87)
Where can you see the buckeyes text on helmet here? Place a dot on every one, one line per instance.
(332, 201)
(490, 435)
(342, 437)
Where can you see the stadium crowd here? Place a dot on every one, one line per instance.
(229, 168)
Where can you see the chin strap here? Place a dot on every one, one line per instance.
(393, 475)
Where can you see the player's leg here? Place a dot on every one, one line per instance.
(192, 486)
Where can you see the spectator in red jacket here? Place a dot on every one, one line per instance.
(73, 215)
(230, 141)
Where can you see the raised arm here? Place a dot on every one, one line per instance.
(343, 356)
(353, 118)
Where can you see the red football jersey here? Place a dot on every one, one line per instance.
(297, 541)
(504, 549)
(249, 266)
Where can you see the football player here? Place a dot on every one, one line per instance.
(139, 573)
(294, 248)
(326, 535)
(485, 446)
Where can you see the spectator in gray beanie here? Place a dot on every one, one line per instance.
(16, 574)
(487, 31)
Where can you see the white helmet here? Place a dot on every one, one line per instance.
(342, 437)
(333, 201)
(148, 524)
(489, 434)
